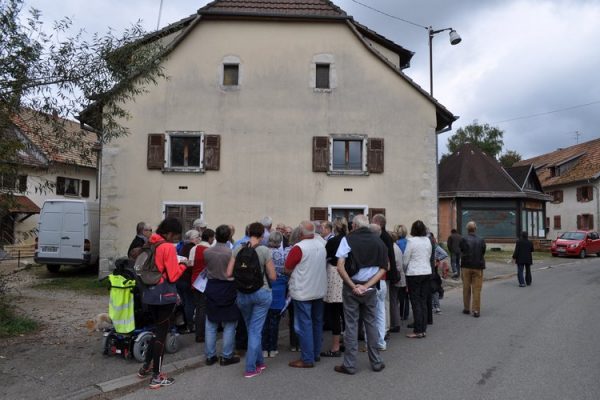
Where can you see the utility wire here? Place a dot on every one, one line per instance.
(548, 112)
(389, 15)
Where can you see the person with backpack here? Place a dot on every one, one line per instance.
(251, 267)
(161, 297)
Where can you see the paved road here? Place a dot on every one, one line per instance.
(539, 342)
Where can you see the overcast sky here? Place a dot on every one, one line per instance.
(517, 58)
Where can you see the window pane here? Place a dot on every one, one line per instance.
(339, 154)
(72, 186)
(322, 76)
(491, 223)
(185, 151)
(355, 155)
(230, 74)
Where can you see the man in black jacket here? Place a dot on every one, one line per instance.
(472, 248)
(453, 243)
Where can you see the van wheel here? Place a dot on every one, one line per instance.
(54, 268)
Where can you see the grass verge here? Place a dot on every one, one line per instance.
(506, 256)
(85, 284)
(12, 324)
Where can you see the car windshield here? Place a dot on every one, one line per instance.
(573, 236)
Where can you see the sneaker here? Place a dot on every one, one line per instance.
(211, 360)
(273, 353)
(261, 367)
(438, 310)
(229, 361)
(265, 354)
(144, 371)
(252, 374)
(159, 381)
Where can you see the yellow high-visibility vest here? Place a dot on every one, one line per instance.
(120, 306)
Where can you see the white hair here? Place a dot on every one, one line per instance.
(360, 221)
(192, 234)
(267, 221)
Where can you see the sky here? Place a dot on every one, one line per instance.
(528, 67)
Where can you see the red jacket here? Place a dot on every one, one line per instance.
(166, 259)
(198, 261)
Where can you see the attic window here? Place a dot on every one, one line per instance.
(322, 76)
(231, 74)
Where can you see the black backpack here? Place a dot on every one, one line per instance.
(145, 266)
(247, 273)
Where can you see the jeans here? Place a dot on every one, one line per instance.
(381, 294)
(472, 283)
(308, 322)
(210, 346)
(270, 332)
(435, 300)
(254, 308)
(353, 307)
(527, 278)
(455, 261)
(419, 289)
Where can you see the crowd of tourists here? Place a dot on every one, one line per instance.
(356, 280)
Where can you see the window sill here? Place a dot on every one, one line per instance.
(347, 173)
(322, 90)
(230, 88)
(183, 169)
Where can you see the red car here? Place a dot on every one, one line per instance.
(576, 243)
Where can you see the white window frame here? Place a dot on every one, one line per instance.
(78, 194)
(230, 60)
(323, 58)
(353, 136)
(168, 136)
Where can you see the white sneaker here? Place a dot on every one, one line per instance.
(265, 354)
(273, 353)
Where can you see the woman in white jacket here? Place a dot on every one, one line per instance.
(417, 267)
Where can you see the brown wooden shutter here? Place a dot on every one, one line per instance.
(156, 151)
(212, 150)
(579, 194)
(60, 185)
(375, 211)
(590, 221)
(590, 194)
(85, 188)
(319, 214)
(320, 153)
(579, 222)
(22, 183)
(375, 155)
(557, 224)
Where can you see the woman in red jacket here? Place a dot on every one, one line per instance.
(162, 305)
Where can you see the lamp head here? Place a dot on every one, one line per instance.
(454, 37)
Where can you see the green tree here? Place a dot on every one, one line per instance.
(53, 72)
(509, 158)
(484, 136)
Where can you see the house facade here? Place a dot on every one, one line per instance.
(571, 176)
(57, 161)
(502, 201)
(292, 110)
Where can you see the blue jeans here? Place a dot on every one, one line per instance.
(254, 307)
(308, 323)
(455, 262)
(527, 278)
(210, 346)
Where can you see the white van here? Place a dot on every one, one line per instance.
(68, 233)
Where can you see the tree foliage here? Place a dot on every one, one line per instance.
(509, 158)
(484, 136)
(54, 72)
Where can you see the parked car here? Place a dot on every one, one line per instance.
(576, 243)
(68, 234)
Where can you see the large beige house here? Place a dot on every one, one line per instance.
(289, 109)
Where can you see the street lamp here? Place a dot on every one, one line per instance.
(454, 40)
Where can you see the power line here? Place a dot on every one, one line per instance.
(548, 112)
(389, 15)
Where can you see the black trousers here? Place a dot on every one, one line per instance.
(335, 317)
(419, 288)
(161, 316)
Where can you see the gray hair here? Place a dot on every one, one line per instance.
(192, 234)
(267, 221)
(375, 228)
(360, 221)
(275, 239)
(471, 226)
(295, 235)
(307, 227)
(379, 219)
(139, 228)
(199, 223)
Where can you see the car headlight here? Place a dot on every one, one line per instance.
(572, 246)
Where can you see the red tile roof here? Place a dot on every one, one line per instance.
(59, 140)
(305, 8)
(586, 164)
(20, 204)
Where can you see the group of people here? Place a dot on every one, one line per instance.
(351, 279)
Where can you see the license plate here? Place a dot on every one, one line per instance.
(561, 250)
(49, 249)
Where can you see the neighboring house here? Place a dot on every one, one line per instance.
(572, 177)
(502, 201)
(55, 163)
(283, 108)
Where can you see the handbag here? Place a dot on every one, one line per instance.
(350, 266)
(161, 293)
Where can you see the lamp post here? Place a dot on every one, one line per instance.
(454, 40)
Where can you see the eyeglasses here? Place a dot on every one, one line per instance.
(148, 230)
